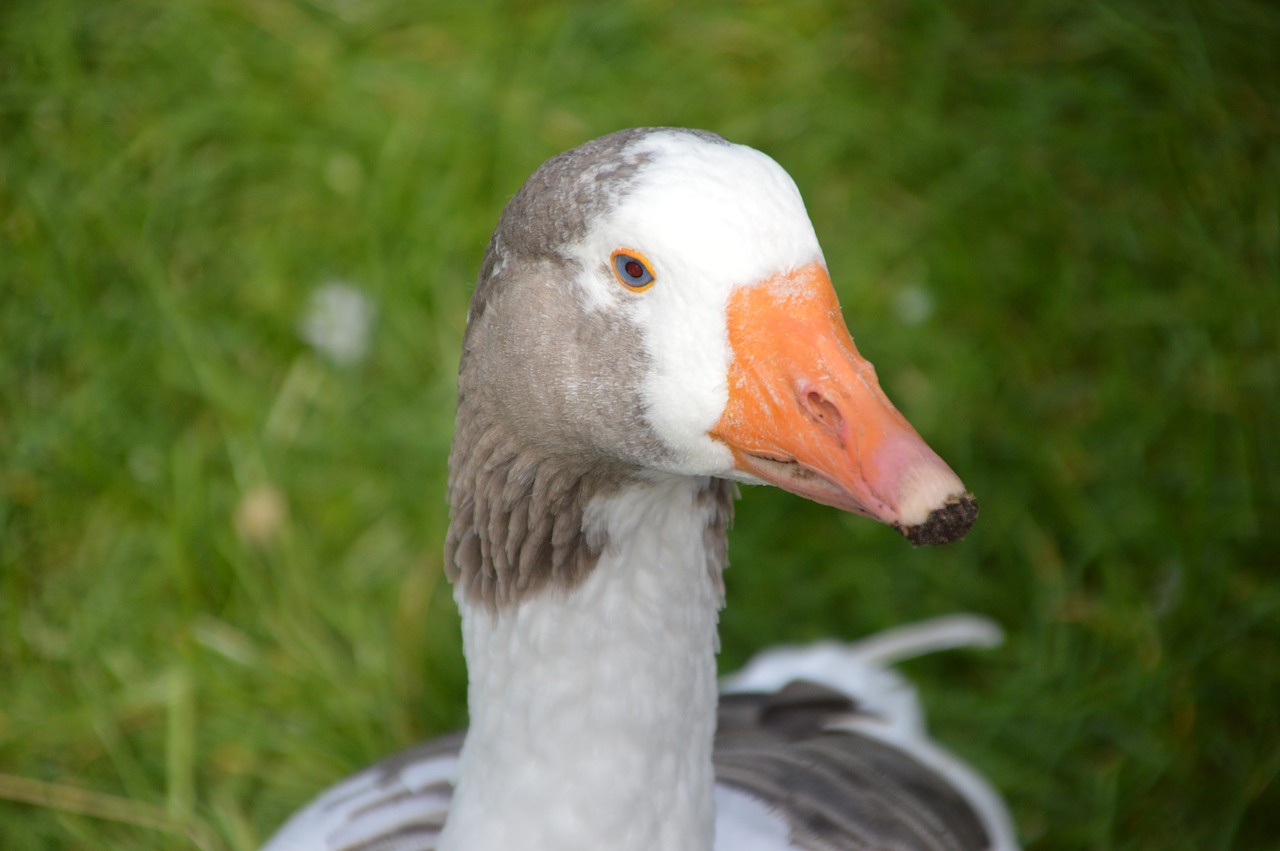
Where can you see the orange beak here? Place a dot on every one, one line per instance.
(806, 413)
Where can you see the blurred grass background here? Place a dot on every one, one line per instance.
(1055, 227)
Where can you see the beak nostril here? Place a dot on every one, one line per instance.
(823, 412)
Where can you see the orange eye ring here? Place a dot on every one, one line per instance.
(632, 269)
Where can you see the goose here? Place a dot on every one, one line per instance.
(654, 325)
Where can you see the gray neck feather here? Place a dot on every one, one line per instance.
(516, 518)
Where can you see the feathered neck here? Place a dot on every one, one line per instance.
(592, 701)
(516, 517)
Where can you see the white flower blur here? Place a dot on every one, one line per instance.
(338, 322)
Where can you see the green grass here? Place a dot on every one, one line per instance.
(1087, 195)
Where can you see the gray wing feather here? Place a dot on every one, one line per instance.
(399, 804)
(838, 790)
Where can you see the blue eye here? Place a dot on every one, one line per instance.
(632, 270)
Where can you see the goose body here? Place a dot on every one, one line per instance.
(653, 323)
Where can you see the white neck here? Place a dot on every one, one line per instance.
(593, 710)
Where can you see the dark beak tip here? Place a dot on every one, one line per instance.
(945, 524)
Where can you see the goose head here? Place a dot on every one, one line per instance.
(656, 303)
